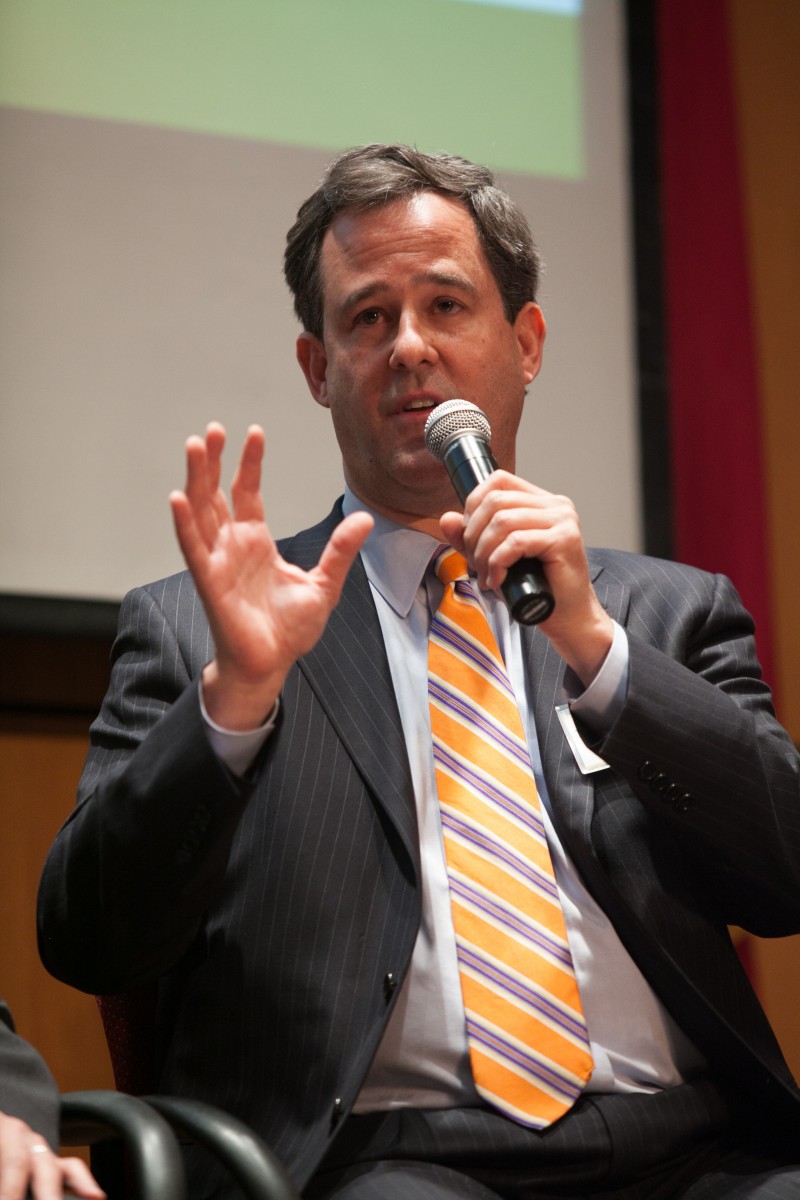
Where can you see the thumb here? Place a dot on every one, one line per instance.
(452, 527)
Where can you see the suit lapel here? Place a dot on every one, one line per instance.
(349, 672)
(614, 596)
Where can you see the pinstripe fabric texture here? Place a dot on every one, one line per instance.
(527, 1036)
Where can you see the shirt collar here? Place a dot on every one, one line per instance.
(395, 558)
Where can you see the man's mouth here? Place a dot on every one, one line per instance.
(413, 405)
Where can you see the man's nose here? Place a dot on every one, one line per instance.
(413, 344)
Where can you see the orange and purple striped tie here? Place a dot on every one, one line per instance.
(529, 1049)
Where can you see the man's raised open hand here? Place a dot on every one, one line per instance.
(264, 613)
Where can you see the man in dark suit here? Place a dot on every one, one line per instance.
(257, 829)
(29, 1107)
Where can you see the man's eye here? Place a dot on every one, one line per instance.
(446, 305)
(370, 316)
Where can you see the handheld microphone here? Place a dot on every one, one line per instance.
(458, 434)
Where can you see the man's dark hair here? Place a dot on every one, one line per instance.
(368, 176)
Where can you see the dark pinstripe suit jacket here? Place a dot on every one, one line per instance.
(279, 913)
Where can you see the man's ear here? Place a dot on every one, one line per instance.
(314, 364)
(531, 330)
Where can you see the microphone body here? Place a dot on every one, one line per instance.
(457, 433)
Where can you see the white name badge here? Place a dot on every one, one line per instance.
(588, 762)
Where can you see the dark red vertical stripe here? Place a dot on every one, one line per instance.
(718, 495)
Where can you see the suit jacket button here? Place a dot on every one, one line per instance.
(684, 802)
(647, 771)
(337, 1112)
(660, 784)
(389, 985)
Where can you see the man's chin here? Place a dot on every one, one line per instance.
(423, 483)
(414, 488)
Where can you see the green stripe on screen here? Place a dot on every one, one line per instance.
(498, 85)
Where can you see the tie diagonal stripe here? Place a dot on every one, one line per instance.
(546, 1008)
(461, 708)
(501, 853)
(471, 652)
(547, 1074)
(512, 924)
(476, 781)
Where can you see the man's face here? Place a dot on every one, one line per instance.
(412, 316)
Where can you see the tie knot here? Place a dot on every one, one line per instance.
(449, 565)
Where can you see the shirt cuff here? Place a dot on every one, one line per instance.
(601, 702)
(237, 749)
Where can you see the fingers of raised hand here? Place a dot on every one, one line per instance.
(201, 511)
(214, 446)
(203, 471)
(246, 486)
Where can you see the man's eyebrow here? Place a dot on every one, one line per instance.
(445, 279)
(360, 295)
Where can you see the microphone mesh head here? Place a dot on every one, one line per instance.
(450, 419)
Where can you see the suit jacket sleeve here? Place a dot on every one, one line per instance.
(127, 881)
(27, 1089)
(699, 743)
